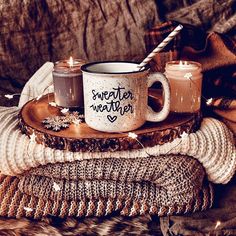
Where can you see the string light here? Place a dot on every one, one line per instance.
(64, 110)
(184, 135)
(53, 104)
(132, 135)
(28, 209)
(218, 223)
(33, 137)
(37, 98)
(56, 187)
(209, 101)
(11, 96)
(77, 121)
(135, 137)
(188, 75)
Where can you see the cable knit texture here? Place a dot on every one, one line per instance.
(212, 145)
(14, 203)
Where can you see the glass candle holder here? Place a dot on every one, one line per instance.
(185, 78)
(68, 83)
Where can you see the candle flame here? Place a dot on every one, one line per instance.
(71, 62)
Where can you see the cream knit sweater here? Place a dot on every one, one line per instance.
(212, 145)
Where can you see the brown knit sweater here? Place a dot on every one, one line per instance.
(174, 183)
(14, 203)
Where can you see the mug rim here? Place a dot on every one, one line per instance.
(85, 69)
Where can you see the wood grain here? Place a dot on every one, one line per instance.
(83, 138)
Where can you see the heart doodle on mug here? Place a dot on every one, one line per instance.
(111, 118)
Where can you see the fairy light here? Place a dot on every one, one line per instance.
(218, 223)
(53, 104)
(56, 187)
(33, 137)
(11, 96)
(37, 98)
(188, 75)
(209, 101)
(64, 110)
(132, 135)
(77, 121)
(135, 137)
(184, 135)
(28, 209)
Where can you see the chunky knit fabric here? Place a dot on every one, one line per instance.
(164, 171)
(212, 145)
(14, 203)
(167, 180)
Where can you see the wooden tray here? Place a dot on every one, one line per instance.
(83, 138)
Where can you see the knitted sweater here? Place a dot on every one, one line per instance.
(212, 145)
(14, 203)
(168, 171)
(166, 180)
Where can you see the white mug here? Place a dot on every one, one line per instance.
(116, 96)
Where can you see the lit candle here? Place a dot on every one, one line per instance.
(185, 79)
(68, 84)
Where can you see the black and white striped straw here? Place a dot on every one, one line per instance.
(160, 47)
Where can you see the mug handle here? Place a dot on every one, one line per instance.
(161, 115)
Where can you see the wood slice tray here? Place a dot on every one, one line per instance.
(81, 138)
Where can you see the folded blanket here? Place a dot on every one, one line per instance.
(212, 145)
(14, 203)
(172, 185)
(164, 180)
(158, 170)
